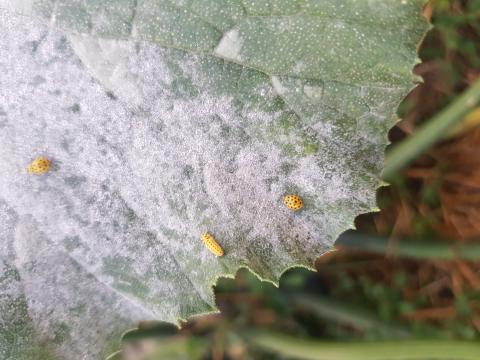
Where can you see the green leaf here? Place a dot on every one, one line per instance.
(307, 349)
(200, 116)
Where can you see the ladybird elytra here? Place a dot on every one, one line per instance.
(38, 166)
(293, 202)
(212, 244)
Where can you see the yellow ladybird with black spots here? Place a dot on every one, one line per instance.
(293, 202)
(40, 165)
(212, 244)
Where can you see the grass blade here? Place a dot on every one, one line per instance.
(410, 249)
(392, 350)
(434, 130)
(345, 314)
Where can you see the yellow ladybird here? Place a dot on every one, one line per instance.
(293, 202)
(39, 166)
(212, 244)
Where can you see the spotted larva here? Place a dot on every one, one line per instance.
(212, 244)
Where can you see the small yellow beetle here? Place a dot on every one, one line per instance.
(212, 244)
(293, 202)
(40, 165)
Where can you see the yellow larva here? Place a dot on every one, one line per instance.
(293, 202)
(212, 244)
(39, 166)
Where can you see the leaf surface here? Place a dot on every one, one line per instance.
(166, 119)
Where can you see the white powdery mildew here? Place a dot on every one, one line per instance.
(230, 46)
(192, 144)
(7, 228)
(208, 170)
(77, 209)
(41, 83)
(66, 304)
(112, 67)
(118, 218)
(171, 163)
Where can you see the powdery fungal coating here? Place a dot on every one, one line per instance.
(212, 244)
(39, 166)
(182, 140)
(293, 202)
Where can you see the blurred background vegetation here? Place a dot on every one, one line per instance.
(409, 272)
